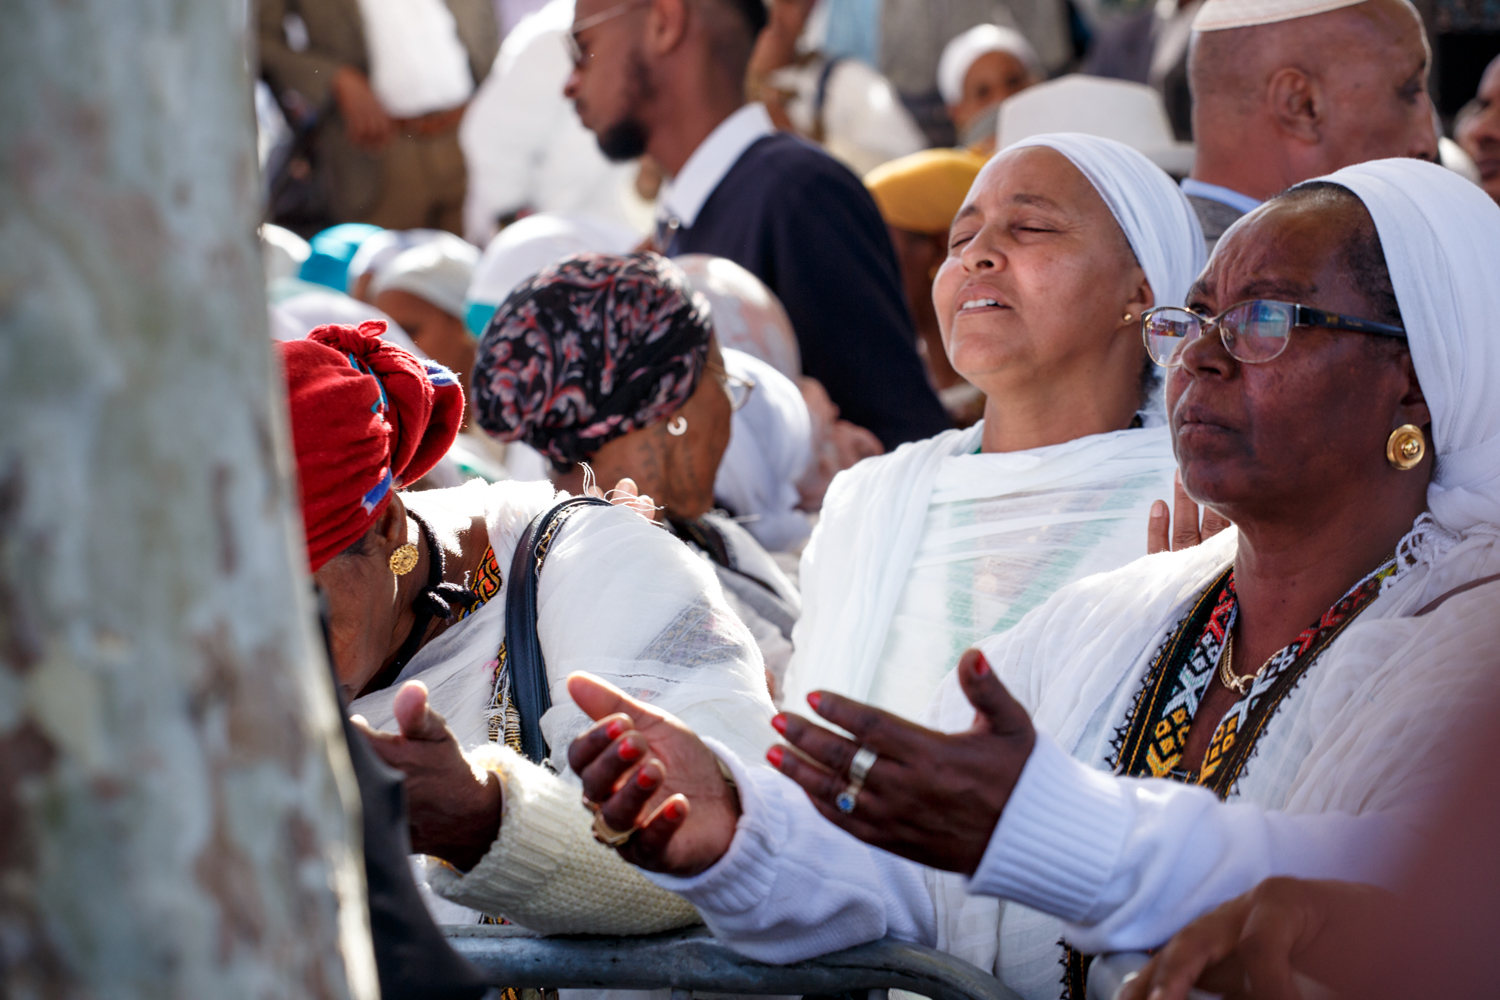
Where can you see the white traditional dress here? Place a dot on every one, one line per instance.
(1336, 765)
(921, 553)
(624, 600)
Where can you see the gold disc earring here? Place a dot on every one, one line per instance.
(404, 559)
(1405, 447)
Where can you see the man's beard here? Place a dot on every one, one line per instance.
(624, 140)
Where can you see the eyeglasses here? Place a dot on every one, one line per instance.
(1253, 332)
(575, 51)
(739, 389)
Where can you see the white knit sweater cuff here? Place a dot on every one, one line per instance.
(1060, 837)
(742, 878)
(538, 816)
(545, 871)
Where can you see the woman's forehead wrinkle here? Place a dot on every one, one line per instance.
(1040, 200)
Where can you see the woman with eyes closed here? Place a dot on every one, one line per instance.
(1061, 245)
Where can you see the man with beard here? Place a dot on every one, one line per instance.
(667, 77)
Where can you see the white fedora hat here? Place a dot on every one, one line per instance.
(1132, 113)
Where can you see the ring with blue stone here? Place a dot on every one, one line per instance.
(859, 769)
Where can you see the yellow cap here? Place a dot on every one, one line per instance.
(922, 192)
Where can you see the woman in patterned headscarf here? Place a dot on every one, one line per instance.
(599, 359)
(607, 365)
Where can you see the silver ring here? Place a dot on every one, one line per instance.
(859, 767)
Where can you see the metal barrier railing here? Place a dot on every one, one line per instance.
(692, 960)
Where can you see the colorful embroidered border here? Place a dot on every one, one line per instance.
(486, 583)
(1151, 745)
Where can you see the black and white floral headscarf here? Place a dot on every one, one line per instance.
(590, 349)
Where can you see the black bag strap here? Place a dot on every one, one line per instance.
(529, 689)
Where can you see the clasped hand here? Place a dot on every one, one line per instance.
(931, 797)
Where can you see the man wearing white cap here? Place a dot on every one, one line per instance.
(1287, 90)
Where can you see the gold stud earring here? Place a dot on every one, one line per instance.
(1405, 447)
(404, 559)
(1128, 317)
(678, 426)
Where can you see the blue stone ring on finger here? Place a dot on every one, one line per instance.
(859, 769)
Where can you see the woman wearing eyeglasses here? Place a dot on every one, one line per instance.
(607, 365)
(1280, 700)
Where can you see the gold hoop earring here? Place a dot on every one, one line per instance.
(404, 559)
(677, 427)
(1405, 447)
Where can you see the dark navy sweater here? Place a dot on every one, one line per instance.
(801, 222)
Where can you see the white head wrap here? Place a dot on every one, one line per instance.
(1441, 237)
(1156, 216)
(379, 250)
(961, 52)
(526, 246)
(770, 445)
(438, 271)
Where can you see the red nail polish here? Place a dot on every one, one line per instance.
(774, 755)
(646, 779)
(981, 666)
(673, 811)
(778, 723)
(815, 699)
(629, 751)
(614, 729)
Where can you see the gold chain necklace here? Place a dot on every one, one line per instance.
(1238, 683)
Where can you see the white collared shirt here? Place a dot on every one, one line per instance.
(1222, 195)
(682, 197)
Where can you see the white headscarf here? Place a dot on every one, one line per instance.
(526, 246)
(385, 246)
(875, 516)
(1441, 237)
(963, 50)
(1156, 216)
(770, 445)
(439, 271)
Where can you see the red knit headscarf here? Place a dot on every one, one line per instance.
(367, 417)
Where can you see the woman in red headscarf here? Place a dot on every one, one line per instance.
(415, 586)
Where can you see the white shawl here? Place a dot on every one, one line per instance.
(998, 523)
(1369, 728)
(856, 566)
(618, 597)
(1343, 775)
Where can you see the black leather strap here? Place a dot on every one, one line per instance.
(529, 689)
